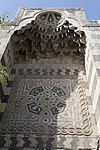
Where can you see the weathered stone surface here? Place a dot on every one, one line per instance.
(49, 106)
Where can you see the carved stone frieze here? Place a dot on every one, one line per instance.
(48, 36)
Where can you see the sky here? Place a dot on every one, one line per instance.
(91, 7)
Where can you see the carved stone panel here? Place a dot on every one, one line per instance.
(47, 106)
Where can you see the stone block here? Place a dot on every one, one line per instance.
(2, 107)
(96, 57)
(98, 72)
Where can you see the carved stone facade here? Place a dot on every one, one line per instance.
(49, 96)
(47, 107)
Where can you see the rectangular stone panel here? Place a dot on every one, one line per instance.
(95, 36)
(94, 46)
(48, 107)
(96, 57)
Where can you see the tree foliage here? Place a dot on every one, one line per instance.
(4, 19)
(3, 70)
(3, 73)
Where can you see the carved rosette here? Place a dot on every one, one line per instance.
(49, 35)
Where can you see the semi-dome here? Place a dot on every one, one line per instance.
(50, 18)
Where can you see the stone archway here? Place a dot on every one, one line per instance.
(48, 100)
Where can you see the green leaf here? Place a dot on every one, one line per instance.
(3, 73)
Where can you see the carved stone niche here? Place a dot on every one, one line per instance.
(50, 35)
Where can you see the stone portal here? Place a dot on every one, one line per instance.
(48, 105)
